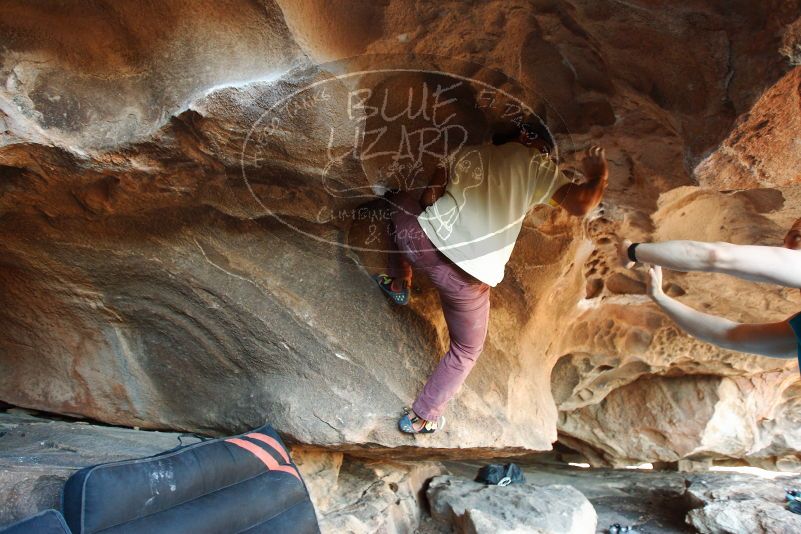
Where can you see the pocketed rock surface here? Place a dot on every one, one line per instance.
(144, 282)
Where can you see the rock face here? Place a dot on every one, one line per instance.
(187, 225)
(741, 505)
(674, 396)
(365, 497)
(473, 508)
(762, 150)
(648, 501)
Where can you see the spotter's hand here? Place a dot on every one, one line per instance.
(653, 282)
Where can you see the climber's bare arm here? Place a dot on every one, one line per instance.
(776, 340)
(777, 265)
(436, 187)
(580, 199)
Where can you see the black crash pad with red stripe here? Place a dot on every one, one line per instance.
(244, 484)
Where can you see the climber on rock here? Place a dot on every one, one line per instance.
(461, 232)
(776, 265)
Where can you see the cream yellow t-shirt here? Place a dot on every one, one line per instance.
(476, 221)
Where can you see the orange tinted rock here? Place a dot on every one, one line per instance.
(168, 264)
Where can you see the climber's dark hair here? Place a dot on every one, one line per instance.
(533, 128)
(538, 130)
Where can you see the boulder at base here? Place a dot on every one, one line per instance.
(474, 508)
(741, 504)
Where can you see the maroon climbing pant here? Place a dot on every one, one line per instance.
(465, 304)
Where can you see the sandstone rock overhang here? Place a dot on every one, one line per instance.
(142, 284)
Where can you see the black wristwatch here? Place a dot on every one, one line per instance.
(631, 250)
